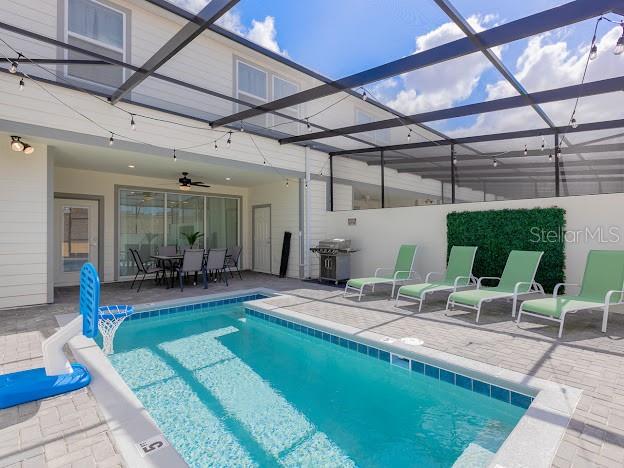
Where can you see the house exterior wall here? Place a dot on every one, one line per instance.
(426, 227)
(74, 181)
(24, 229)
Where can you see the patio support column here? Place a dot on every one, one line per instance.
(383, 187)
(331, 183)
(557, 175)
(452, 173)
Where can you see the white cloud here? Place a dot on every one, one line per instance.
(548, 62)
(262, 32)
(445, 84)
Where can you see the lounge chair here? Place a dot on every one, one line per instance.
(518, 279)
(602, 286)
(403, 271)
(458, 275)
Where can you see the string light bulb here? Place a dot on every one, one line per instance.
(229, 140)
(175, 157)
(286, 182)
(132, 123)
(216, 147)
(308, 126)
(593, 52)
(13, 68)
(111, 140)
(21, 84)
(494, 162)
(573, 123)
(454, 160)
(550, 158)
(409, 135)
(526, 150)
(242, 127)
(542, 147)
(364, 95)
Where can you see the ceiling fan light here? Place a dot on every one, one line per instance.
(16, 144)
(185, 188)
(28, 149)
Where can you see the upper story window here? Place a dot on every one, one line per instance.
(97, 27)
(252, 87)
(378, 136)
(281, 89)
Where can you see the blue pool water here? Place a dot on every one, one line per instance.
(230, 389)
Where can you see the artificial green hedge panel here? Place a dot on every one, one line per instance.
(498, 232)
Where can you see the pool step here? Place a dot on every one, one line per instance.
(474, 456)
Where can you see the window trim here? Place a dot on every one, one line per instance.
(237, 81)
(67, 33)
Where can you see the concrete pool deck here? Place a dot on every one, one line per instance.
(70, 430)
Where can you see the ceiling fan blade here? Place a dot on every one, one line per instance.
(200, 184)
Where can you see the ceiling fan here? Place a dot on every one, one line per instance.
(186, 183)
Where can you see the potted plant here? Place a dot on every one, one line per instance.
(192, 238)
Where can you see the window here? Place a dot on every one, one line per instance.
(281, 89)
(378, 136)
(252, 87)
(98, 28)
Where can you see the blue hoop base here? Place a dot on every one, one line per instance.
(34, 384)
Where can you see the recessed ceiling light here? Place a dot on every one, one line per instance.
(228, 178)
(131, 166)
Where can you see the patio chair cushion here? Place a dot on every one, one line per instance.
(460, 263)
(554, 307)
(417, 290)
(359, 283)
(472, 297)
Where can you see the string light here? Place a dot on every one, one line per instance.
(494, 162)
(309, 127)
(454, 160)
(242, 127)
(593, 52)
(229, 140)
(526, 150)
(550, 158)
(216, 147)
(286, 182)
(132, 124)
(364, 96)
(111, 140)
(21, 84)
(409, 135)
(542, 148)
(573, 123)
(175, 158)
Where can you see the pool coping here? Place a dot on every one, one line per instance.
(536, 437)
(532, 443)
(127, 419)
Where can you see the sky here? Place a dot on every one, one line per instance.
(341, 37)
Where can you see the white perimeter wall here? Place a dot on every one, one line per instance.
(379, 233)
(24, 200)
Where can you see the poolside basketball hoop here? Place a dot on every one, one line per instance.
(110, 317)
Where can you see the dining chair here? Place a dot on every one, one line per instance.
(143, 269)
(231, 260)
(192, 262)
(215, 265)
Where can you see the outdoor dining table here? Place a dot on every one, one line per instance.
(170, 260)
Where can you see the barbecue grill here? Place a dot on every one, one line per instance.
(335, 256)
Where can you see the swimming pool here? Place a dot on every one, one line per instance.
(235, 387)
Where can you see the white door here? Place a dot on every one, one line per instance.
(75, 239)
(262, 239)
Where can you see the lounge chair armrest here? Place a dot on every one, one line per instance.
(459, 278)
(379, 270)
(412, 274)
(611, 293)
(431, 273)
(558, 285)
(484, 278)
(521, 283)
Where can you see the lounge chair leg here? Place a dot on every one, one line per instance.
(448, 301)
(361, 290)
(519, 315)
(141, 282)
(605, 317)
(135, 277)
(561, 326)
(513, 306)
(345, 291)
(393, 287)
(420, 303)
(478, 312)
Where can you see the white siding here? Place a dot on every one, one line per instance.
(284, 203)
(23, 227)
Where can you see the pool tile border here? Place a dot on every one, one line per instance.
(161, 312)
(475, 385)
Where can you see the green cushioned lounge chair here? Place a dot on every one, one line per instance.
(458, 275)
(518, 278)
(403, 271)
(602, 286)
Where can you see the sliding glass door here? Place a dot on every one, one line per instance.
(149, 220)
